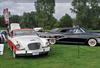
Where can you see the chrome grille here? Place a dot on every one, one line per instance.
(34, 46)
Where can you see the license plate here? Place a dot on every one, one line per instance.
(35, 53)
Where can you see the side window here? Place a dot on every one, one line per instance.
(64, 30)
(78, 31)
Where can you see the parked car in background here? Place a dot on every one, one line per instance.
(79, 35)
(73, 35)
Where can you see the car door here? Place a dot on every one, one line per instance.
(73, 36)
(78, 36)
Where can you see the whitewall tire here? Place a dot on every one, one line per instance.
(52, 41)
(92, 42)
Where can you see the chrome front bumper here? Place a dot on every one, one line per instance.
(33, 52)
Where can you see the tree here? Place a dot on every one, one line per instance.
(87, 12)
(2, 21)
(15, 19)
(53, 24)
(44, 12)
(66, 21)
(28, 20)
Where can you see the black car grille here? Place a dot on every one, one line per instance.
(34, 46)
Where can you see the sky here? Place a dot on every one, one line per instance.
(17, 7)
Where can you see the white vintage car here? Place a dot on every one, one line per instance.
(27, 42)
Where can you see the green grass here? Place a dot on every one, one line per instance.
(61, 56)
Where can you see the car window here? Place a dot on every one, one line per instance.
(78, 31)
(83, 30)
(54, 30)
(65, 30)
(24, 32)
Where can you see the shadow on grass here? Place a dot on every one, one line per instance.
(32, 57)
(76, 44)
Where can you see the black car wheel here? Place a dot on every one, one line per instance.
(92, 42)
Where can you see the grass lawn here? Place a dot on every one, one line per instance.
(61, 56)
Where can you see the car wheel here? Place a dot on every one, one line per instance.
(92, 42)
(52, 41)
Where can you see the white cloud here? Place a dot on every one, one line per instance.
(16, 8)
(30, 1)
(19, 8)
(62, 8)
(22, 7)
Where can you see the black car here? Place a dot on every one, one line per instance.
(78, 35)
(74, 35)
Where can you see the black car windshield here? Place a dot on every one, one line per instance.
(24, 32)
(54, 30)
(84, 30)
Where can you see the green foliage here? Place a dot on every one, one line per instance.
(87, 12)
(66, 21)
(44, 12)
(14, 19)
(2, 21)
(28, 20)
(53, 24)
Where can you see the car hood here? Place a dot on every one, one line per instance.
(25, 40)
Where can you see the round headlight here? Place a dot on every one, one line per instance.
(17, 46)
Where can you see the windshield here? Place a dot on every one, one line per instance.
(24, 32)
(54, 30)
(84, 30)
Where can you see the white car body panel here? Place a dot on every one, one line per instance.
(14, 26)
